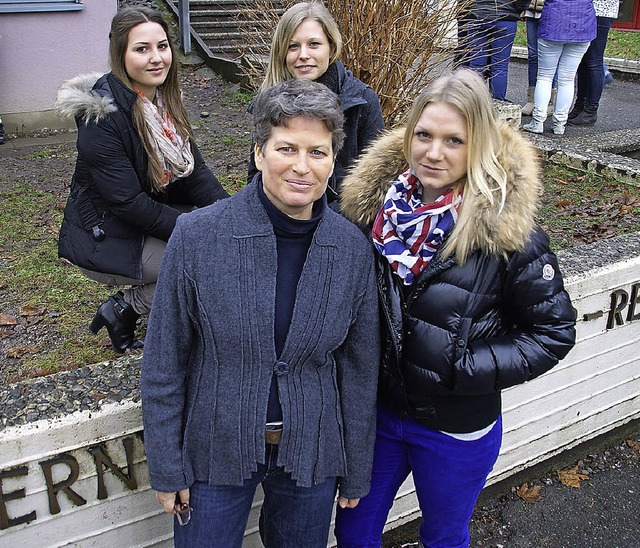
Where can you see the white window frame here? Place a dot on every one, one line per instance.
(29, 6)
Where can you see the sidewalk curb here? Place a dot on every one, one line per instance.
(631, 66)
(602, 153)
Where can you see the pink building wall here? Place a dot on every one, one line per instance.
(39, 51)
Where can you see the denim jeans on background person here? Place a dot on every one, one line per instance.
(491, 43)
(291, 516)
(565, 57)
(532, 52)
(448, 475)
(591, 68)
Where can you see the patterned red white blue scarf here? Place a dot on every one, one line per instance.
(408, 232)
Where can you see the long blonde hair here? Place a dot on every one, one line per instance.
(291, 19)
(122, 23)
(468, 93)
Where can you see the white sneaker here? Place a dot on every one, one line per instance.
(558, 129)
(534, 127)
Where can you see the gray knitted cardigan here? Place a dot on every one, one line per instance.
(209, 353)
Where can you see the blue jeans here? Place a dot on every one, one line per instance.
(291, 516)
(448, 475)
(491, 43)
(565, 57)
(532, 52)
(591, 68)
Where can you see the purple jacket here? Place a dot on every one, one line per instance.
(568, 21)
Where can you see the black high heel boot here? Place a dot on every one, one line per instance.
(120, 320)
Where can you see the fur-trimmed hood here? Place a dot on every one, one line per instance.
(481, 224)
(78, 99)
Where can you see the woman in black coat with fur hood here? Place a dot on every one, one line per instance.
(472, 298)
(138, 168)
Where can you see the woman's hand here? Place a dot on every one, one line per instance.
(347, 503)
(169, 501)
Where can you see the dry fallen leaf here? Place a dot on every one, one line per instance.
(33, 320)
(529, 494)
(19, 351)
(571, 477)
(6, 319)
(635, 445)
(29, 310)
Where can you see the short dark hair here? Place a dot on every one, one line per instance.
(274, 106)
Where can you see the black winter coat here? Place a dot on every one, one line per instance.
(110, 188)
(362, 123)
(463, 332)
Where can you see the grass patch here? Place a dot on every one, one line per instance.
(42, 290)
(622, 44)
(579, 207)
(41, 154)
(232, 182)
(243, 98)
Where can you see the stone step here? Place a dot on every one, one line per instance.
(228, 13)
(237, 26)
(223, 29)
(207, 3)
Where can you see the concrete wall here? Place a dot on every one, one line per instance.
(80, 480)
(39, 51)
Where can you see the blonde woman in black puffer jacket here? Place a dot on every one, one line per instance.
(472, 302)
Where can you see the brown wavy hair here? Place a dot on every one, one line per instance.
(123, 21)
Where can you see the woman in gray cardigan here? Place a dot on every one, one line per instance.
(262, 350)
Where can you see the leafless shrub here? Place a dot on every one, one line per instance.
(397, 47)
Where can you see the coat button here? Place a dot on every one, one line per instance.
(461, 343)
(281, 368)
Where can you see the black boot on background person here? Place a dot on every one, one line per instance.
(576, 110)
(588, 116)
(120, 320)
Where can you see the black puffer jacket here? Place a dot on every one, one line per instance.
(362, 122)
(461, 333)
(110, 188)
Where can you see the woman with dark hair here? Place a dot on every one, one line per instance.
(307, 44)
(263, 344)
(137, 169)
(473, 302)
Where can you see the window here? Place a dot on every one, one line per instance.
(24, 6)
